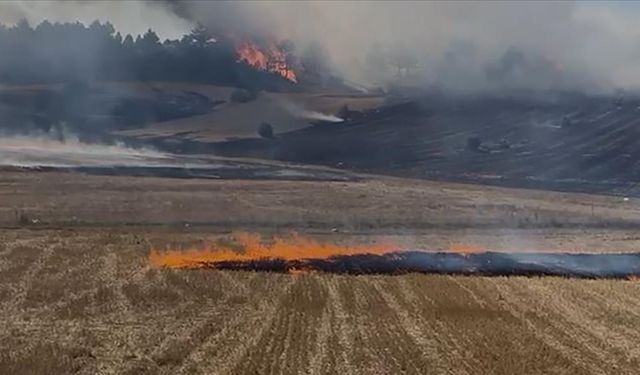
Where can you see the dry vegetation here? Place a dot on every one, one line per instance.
(77, 294)
(240, 120)
(374, 204)
(87, 302)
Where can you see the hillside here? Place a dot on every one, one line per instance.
(284, 111)
(565, 142)
(141, 112)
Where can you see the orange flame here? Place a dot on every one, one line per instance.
(270, 58)
(635, 278)
(466, 249)
(253, 248)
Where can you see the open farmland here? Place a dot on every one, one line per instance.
(79, 294)
(88, 302)
(368, 203)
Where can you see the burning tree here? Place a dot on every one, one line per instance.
(269, 56)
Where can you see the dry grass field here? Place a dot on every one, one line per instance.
(78, 295)
(88, 302)
(374, 204)
(284, 111)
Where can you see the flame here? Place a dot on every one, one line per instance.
(466, 249)
(293, 247)
(270, 58)
(635, 278)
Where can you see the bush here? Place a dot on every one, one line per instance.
(243, 96)
(265, 130)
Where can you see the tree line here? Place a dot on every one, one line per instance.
(71, 52)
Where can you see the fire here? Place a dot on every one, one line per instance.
(271, 58)
(291, 248)
(466, 249)
(299, 255)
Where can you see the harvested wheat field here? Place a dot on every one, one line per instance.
(79, 294)
(89, 302)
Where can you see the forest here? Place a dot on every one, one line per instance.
(72, 52)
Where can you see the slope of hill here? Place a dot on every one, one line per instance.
(159, 110)
(566, 142)
(284, 111)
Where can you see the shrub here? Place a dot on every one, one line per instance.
(265, 130)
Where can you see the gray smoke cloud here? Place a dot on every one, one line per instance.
(464, 46)
(460, 46)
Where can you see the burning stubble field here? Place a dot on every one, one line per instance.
(89, 302)
(79, 293)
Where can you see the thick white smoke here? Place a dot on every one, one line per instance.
(461, 46)
(464, 46)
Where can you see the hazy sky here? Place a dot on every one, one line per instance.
(456, 42)
(128, 16)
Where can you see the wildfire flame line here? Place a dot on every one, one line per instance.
(291, 248)
(295, 254)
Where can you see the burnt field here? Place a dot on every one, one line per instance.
(558, 142)
(554, 141)
(594, 266)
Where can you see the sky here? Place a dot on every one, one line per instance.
(128, 16)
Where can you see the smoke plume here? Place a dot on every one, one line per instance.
(459, 46)
(298, 111)
(42, 151)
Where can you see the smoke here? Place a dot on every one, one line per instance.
(31, 151)
(459, 46)
(296, 253)
(298, 111)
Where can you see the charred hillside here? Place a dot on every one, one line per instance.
(561, 142)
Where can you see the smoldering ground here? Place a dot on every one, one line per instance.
(612, 266)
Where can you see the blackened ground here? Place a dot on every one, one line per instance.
(614, 266)
(560, 142)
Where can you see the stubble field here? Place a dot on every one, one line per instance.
(79, 296)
